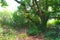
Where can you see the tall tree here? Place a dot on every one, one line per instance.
(40, 8)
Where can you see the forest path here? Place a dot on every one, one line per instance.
(22, 35)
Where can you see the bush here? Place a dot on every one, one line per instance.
(5, 17)
(19, 20)
(22, 19)
(53, 23)
(50, 33)
(33, 30)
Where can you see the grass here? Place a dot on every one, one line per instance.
(7, 34)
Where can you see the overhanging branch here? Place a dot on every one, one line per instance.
(39, 12)
(37, 4)
(23, 4)
(17, 1)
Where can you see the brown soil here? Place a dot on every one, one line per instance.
(26, 37)
(22, 35)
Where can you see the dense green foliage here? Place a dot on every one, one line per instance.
(5, 18)
(42, 16)
(3, 3)
(38, 13)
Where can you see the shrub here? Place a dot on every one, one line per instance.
(53, 23)
(19, 19)
(5, 17)
(33, 30)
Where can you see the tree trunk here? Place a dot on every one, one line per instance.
(44, 23)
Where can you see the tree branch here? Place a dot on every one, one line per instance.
(17, 1)
(23, 4)
(39, 12)
(37, 4)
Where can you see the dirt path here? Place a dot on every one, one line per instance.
(22, 35)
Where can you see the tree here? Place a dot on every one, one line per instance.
(40, 8)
